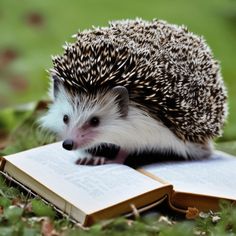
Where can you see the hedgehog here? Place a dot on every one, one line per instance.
(140, 85)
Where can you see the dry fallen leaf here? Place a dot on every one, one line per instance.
(192, 213)
(164, 219)
(215, 219)
(1, 210)
(47, 227)
(203, 215)
(35, 19)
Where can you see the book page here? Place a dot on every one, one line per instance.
(89, 188)
(215, 176)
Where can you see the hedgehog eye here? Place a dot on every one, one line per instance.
(66, 119)
(94, 121)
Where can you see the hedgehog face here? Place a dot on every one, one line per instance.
(80, 119)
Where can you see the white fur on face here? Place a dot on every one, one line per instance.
(80, 109)
(53, 120)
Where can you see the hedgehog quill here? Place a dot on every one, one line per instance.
(140, 85)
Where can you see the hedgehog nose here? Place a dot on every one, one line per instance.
(68, 144)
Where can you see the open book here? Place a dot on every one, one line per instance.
(92, 193)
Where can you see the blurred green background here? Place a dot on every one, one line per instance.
(33, 30)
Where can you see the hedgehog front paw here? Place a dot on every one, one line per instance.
(91, 161)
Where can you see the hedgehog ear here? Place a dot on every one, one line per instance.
(55, 88)
(122, 97)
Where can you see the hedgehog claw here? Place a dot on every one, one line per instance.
(100, 160)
